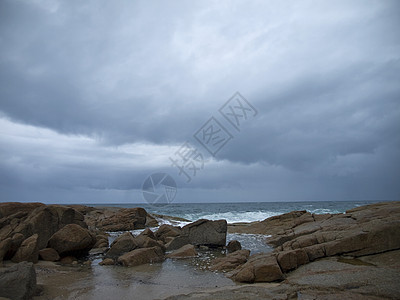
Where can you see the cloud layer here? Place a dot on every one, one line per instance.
(95, 96)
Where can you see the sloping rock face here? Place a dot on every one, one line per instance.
(28, 251)
(18, 282)
(183, 252)
(72, 239)
(300, 237)
(122, 244)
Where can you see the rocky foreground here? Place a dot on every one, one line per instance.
(355, 255)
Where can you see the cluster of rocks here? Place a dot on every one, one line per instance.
(149, 247)
(32, 231)
(300, 237)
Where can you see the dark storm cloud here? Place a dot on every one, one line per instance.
(107, 91)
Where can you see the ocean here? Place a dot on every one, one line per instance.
(244, 211)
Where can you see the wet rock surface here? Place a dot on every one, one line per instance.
(300, 237)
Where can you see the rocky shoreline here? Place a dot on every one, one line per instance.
(353, 255)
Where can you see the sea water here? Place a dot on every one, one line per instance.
(243, 211)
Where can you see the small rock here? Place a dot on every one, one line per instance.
(98, 251)
(68, 260)
(233, 246)
(87, 263)
(107, 262)
(49, 254)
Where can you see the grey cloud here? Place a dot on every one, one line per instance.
(323, 76)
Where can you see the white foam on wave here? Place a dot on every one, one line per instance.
(162, 221)
(323, 211)
(234, 217)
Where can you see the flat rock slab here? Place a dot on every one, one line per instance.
(351, 276)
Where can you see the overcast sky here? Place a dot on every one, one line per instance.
(97, 95)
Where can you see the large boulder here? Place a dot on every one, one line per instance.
(18, 282)
(231, 261)
(123, 220)
(206, 232)
(183, 252)
(28, 251)
(72, 239)
(142, 256)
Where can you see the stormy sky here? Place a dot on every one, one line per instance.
(97, 95)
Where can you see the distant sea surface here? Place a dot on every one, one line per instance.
(243, 212)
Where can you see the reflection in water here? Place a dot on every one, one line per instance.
(154, 281)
